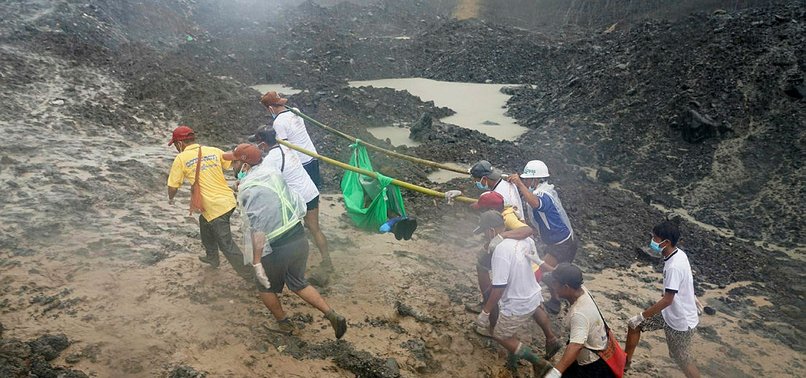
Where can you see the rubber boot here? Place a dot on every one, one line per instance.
(539, 365)
(338, 323)
(210, 260)
(286, 326)
(512, 365)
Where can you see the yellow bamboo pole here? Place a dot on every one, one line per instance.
(349, 167)
(376, 148)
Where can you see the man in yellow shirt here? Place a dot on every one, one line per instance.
(218, 200)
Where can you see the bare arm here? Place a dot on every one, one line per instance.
(519, 233)
(527, 194)
(172, 194)
(668, 297)
(258, 243)
(569, 356)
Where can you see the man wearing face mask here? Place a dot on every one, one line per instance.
(546, 214)
(217, 198)
(488, 178)
(287, 162)
(514, 290)
(291, 127)
(676, 311)
(279, 249)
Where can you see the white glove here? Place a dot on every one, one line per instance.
(494, 242)
(699, 306)
(533, 257)
(553, 373)
(483, 320)
(260, 274)
(451, 194)
(636, 320)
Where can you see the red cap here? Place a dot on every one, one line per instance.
(181, 133)
(272, 98)
(245, 152)
(489, 200)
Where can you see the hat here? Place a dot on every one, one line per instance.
(264, 134)
(489, 201)
(245, 152)
(484, 169)
(489, 219)
(181, 133)
(271, 98)
(568, 274)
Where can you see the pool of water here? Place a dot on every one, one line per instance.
(479, 107)
(443, 176)
(398, 136)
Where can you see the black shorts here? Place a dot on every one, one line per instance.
(312, 204)
(565, 251)
(312, 167)
(285, 265)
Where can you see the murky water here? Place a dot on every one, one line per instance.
(398, 136)
(443, 176)
(478, 106)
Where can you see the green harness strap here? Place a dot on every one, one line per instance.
(374, 215)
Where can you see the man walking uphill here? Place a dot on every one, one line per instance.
(676, 311)
(279, 247)
(514, 290)
(218, 200)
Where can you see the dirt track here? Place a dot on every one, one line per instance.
(89, 247)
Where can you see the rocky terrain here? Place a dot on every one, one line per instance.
(697, 111)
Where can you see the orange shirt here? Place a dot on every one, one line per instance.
(217, 197)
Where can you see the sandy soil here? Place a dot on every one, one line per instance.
(130, 319)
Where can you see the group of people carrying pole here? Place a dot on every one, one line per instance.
(278, 197)
(510, 270)
(277, 193)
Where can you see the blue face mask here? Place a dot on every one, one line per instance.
(655, 249)
(481, 186)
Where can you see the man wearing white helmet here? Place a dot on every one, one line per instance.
(546, 214)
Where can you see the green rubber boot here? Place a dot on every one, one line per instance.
(539, 365)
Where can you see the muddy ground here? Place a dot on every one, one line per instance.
(90, 249)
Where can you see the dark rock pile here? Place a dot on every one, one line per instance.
(32, 358)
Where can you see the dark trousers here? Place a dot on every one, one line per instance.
(216, 235)
(598, 369)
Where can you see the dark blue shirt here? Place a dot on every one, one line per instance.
(549, 221)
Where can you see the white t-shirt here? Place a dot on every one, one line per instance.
(511, 196)
(587, 328)
(293, 172)
(512, 268)
(291, 127)
(681, 315)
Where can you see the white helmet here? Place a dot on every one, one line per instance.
(535, 169)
